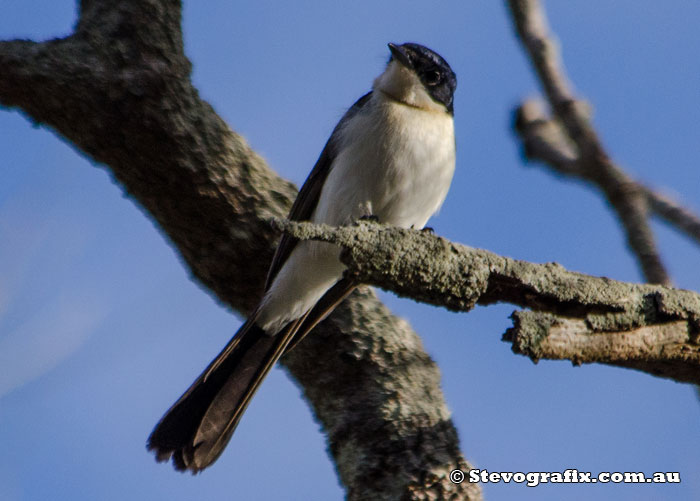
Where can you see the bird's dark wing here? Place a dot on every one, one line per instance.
(307, 199)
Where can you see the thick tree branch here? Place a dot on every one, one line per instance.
(119, 90)
(651, 328)
(594, 165)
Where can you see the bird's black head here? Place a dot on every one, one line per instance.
(434, 72)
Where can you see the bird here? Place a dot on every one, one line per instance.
(391, 157)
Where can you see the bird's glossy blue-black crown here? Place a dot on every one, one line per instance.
(436, 75)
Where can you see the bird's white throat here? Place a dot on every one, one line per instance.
(404, 86)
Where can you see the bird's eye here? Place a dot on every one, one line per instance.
(433, 77)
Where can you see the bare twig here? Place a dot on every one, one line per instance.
(679, 217)
(661, 325)
(544, 140)
(624, 195)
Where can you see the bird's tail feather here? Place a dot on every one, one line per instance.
(198, 426)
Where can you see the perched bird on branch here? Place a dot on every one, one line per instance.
(391, 157)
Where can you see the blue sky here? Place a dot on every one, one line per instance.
(101, 327)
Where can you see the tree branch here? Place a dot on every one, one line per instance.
(651, 328)
(119, 90)
(594, 165)
(679, 217)
(544, 140)
(664, 349)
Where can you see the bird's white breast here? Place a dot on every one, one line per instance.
(395, 162)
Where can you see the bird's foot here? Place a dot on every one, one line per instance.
(370, 217)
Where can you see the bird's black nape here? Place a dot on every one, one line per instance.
(435, 73)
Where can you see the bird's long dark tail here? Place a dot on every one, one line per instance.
(198, 426)
(196, 429)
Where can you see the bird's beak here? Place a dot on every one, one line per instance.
(400, 55)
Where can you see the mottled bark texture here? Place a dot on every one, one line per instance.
(119, 89)
(585, 319)
(568, 143)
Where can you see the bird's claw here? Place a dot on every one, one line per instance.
(370, 217)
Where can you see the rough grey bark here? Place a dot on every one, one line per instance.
(585, 319)
(118, 89)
